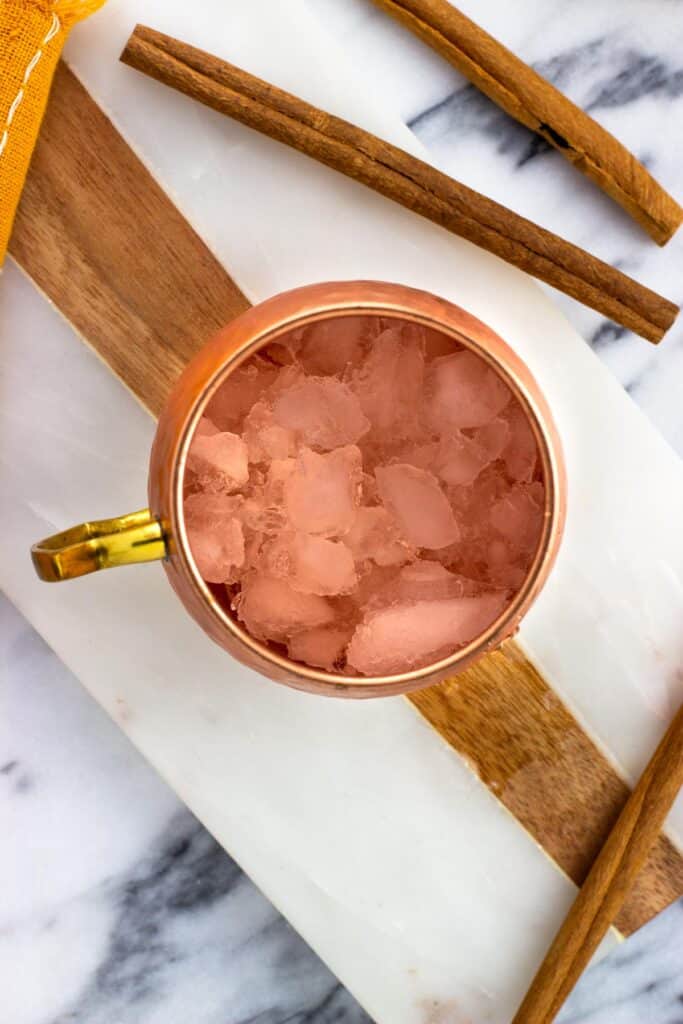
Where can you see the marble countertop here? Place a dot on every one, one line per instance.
(120, 908)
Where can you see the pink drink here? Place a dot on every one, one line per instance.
(364, 495)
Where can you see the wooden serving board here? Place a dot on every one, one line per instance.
(103, 241)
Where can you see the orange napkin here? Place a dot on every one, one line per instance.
(32, 34)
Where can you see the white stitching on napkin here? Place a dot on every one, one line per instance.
(54, 28)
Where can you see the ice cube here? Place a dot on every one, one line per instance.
(218, 553)
(374, 535)
(422, 455)
(493, 438)
(329, 346)
(242, 389)
(439, 344)
(419, 506)
(219, 461)
(323, 412)
(271, 609)
(389, 383)
(265, 439)
(410, 635)
(205, 428)
(425, 580)
(214, 533)
(373, 582)
(461, 458)
(518, 515)
(503, 569)
(369, 494)
(261, 515)
(312, 564)
(521, 451)
(322, 494)
(322, 647)
(472, 502)
(287, 377)
(279, 471)
(463, 391)
(208, 509)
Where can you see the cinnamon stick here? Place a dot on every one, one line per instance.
(532, 100)
(610, 879)
(401, 177)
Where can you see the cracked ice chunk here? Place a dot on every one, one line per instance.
(501, 568)
(242, 389)
(460, 458)
(322, 494)
(205, 428)
(279, 472)
(389, 383)
(419, 506)
(439, 344)
(287, 377)
(462, 391)
(265, 439)
(219, 461)
(424, 580)
(472, 503)
(273, 610)
(372, 583)
(494, 437)
(210, 510)
(521, 452)
(218, 554)
(214, 532)
(410, 635)
(323, 412)
(518, 516)
(329, 346)
(374, 535)
(312, 564)
(322, 647)
(260, 515)
(421, 455)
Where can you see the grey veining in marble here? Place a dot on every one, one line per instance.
(119, 908)
(640, 983)
(122, 909)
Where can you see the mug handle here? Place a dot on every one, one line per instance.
(103, 544)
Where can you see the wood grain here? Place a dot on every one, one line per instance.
(534, 102)
(611, 877)
(93, 231)
(526, 746)
(401, 177)
(109, 248)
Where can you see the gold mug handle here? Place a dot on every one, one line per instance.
(102, 544)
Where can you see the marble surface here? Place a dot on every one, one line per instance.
(121, 908)
(111, 963)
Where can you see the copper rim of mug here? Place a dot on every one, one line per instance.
(534, 405)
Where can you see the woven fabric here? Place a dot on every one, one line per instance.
(32, 34)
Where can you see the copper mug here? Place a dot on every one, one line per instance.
(158, 532)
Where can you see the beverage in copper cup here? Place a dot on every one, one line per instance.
(356, 489)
